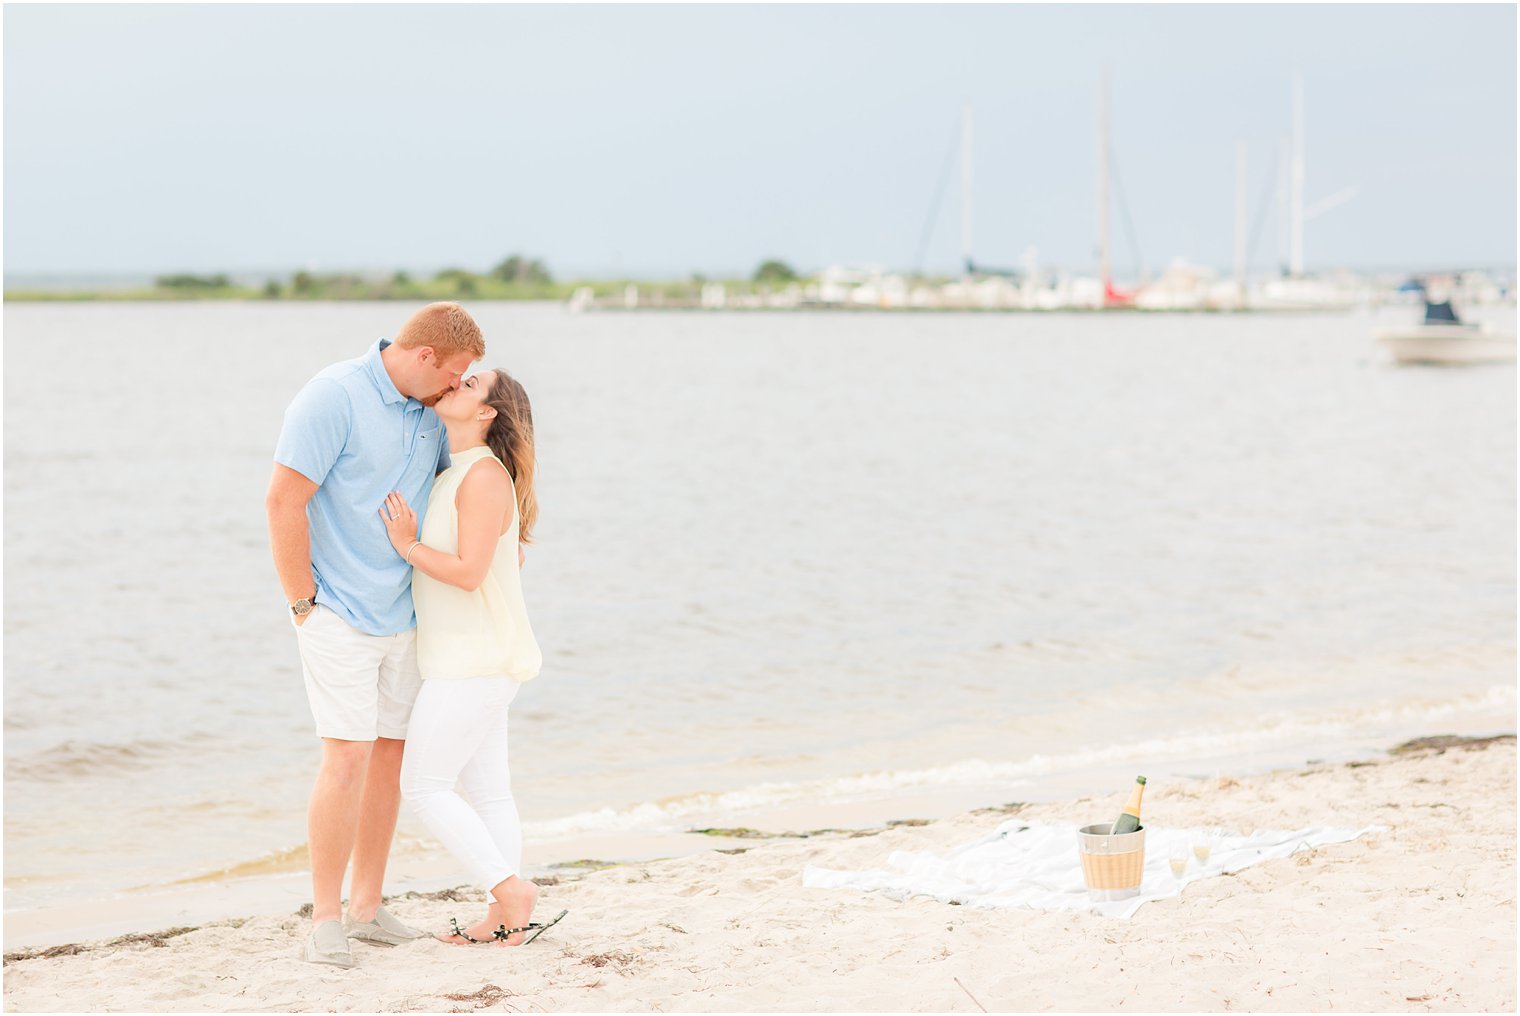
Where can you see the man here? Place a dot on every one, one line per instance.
(357, 431)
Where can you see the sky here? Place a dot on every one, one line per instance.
(660, 141)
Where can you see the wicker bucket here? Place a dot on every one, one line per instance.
(1111, 865)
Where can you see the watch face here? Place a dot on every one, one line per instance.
(301, 608)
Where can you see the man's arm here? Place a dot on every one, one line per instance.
(289, 533)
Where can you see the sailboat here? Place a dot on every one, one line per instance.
(1444, 338)
(1112, 295)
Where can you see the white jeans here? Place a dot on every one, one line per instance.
(458, 735)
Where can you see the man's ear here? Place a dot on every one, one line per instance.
(423, 352)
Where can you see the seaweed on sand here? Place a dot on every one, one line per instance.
(156, 939)
(487, 996)
(1442, 742)
(746, 833)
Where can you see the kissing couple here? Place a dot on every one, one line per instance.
(401, 498)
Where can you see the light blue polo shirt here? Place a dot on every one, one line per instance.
(354, 435)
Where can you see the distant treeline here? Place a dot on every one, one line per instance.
(515, 278)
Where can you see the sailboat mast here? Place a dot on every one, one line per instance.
(1240, 223)
(1298, 174)
(966, 189)
(1103, 166)
(1283, 159)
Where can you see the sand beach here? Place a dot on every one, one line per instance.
(1417, 917)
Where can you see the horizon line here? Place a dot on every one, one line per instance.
(669, 275)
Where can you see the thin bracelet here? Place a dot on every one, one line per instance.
(412, 549)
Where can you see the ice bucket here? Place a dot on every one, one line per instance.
(1111, 865)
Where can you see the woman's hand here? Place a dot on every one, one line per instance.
(400, 522)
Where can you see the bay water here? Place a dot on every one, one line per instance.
(783, 560)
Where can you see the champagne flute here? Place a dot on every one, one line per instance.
(1178, 860)
(1203, 845)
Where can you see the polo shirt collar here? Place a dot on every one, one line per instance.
(389, 394)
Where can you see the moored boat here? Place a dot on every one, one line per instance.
(1443, 338)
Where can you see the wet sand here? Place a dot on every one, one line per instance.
(1420, 917)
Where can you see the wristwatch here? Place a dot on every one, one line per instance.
(302, 607)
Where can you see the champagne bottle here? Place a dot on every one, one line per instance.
(1129, 818)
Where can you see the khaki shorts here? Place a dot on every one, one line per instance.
(360, 686)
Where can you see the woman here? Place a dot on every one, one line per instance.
(474, 644)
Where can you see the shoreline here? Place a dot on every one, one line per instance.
(695, 306)
(1429, 901)
(207, 898)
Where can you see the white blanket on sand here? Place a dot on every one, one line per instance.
(1032, 865)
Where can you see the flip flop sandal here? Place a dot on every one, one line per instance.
(461, 932)
(503, 932)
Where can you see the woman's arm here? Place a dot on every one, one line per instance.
(485, 504)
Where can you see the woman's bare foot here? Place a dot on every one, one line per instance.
(483, 930)
(515, 898)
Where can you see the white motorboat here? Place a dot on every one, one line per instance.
(1444, 339)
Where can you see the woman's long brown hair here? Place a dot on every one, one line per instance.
(510, 438)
